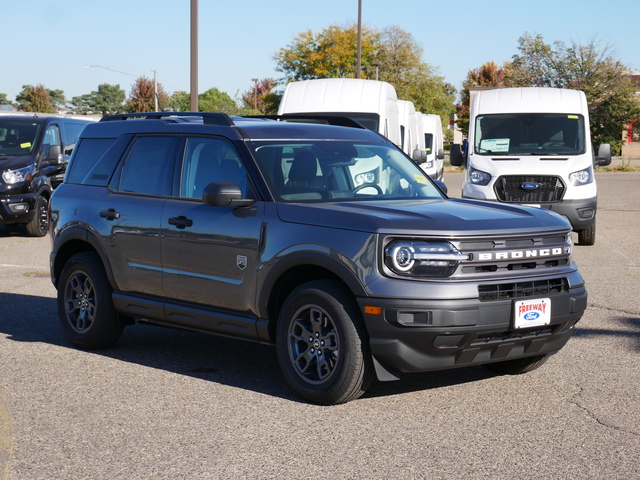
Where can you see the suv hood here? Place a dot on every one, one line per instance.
(424, 217)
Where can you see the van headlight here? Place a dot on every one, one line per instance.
(583, 177)
(18, 175)
(366, 178)
(422, 258)
(478, 177)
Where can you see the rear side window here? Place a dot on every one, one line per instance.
(84, 167)
(149, 165)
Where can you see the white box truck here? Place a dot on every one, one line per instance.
(532, 146)
(433, 145)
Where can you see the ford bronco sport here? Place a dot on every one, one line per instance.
(324, 240)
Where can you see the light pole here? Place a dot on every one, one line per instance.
(255, 93)
(359, 55)
(376, 63)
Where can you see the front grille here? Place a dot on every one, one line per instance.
(529, 189)
(503, 291)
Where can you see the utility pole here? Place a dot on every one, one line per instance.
(194, 55)
(155, 90)
(359, 60)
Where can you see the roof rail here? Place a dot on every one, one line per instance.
(208, 118)
(338, 120)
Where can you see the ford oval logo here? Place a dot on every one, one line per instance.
(529, 186)
(531, 316)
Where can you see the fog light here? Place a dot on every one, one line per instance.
(586, 212)
(18, 207)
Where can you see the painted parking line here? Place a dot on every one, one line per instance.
(6, 437)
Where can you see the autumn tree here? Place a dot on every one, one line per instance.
(261, 98)
(391, 54)
(142, 96)
(108, 99)
(35, 99)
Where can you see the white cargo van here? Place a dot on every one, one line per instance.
(532, 146)
(369, 102)
(433, 145)
(408, 126)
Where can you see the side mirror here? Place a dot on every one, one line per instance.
(456, 158)
(440, 154)
(55, 156)
(224, 194)
(441, 185)
(604, 155)
(419, 156)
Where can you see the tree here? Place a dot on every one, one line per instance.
(108, 99)
(260, 98)
(142, 96)
(4, 100)
(35, 99)
(391, 54)
(213, 100)
(180, 101)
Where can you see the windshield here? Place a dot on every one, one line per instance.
(333, 170)
(17, 137)
(529, 134)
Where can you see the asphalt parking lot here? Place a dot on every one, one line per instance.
(164, 404)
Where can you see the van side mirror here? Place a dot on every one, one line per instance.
(55, 156)
(456, 158)
(604, 155)
(440, 154)
(419, 156)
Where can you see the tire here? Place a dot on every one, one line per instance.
(39, 224)
(322, 345)
(587, 236)
(85, 308)
(518, 366)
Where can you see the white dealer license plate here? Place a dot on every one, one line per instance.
(532, 313)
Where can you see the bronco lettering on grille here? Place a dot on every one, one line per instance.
(520, 254)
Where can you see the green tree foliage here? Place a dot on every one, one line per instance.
(4, 100)
(180, 101)
(213, 100)
(142, 96)
(590, 68)
(108, 99)
(260, 98)
(332, 53)
(36, 99)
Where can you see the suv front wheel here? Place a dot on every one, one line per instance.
(85, 308)
(322, 345)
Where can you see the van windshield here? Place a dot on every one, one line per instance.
(18, 137)
(530, 134)
(332, 171)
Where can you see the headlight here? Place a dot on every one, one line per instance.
(478, 177)
(19, 175)
(366, 177)
(583, 177)
(422, 259)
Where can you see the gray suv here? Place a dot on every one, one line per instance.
(324, 240)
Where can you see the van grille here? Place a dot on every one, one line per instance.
(543, 189)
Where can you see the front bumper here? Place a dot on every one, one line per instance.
(17, 208)
(426, 335)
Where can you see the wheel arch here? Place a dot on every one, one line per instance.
(299, 268)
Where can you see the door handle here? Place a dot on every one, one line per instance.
(110, 214)
(181, 221)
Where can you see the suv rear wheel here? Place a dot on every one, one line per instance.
(85, 308)
(322, 345)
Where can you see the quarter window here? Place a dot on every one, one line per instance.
(149, 166)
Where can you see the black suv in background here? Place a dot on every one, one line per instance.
(324, 240)
(34, 152)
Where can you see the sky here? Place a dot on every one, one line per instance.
(51, 42)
